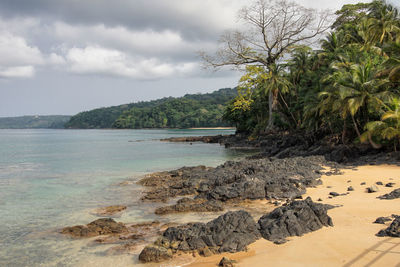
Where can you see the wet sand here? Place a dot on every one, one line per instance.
(352, 240)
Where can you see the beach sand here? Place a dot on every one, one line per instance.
(352, 240)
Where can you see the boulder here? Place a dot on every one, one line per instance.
(382, 220)
(226, 262)
(389, 184)
(154, 253)
(372, 189)
(104, 226)
(294, 219)
(392, 195)
(350, 188)
(334, 194)
(393, 230)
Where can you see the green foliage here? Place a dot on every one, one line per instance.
(34, 122)
(343, 88)
(195, 110)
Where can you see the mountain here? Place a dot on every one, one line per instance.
(34, 122)
(191, 110)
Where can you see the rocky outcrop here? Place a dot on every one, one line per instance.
(191, 205)
(382, 220)
(104, 226)
(392, 195)
(393, 230)
(294, 219)
(230, 232)
(226, 262)
(245, 179)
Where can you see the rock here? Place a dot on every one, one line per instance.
(389, 184)
(393, 230)
(319, 199)
(372, 189)
(230, 232)
(226, 262)
(191, 205)
(382, 220)
(110, 210)
(334, 194)
(363, 183)
(379, 183)
(349, 181)
(294, 219)
(392, 195)
(350, 188)
(153, 253)
(104, 226)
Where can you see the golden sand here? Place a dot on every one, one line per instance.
(352, 240)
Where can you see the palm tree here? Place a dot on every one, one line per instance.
(388, 128)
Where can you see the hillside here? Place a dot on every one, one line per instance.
(191, 110)
(34, 122)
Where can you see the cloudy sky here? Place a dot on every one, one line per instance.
(66, 56)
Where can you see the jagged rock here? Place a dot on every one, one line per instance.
(350, 188)
(226, 262)
(294, 219)
(382, 220)
(389, 184)
(372, 189)
(334, 194)
(393, 230)
(392, 195)
(191, 205)
(230, 232)
(104, 226)
(110, 210)
(154, 253)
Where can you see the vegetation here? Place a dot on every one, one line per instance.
(348, 88)
(191, 110)
(34, 122)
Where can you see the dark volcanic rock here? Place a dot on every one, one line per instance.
(382, 220)
(230, 232)
(153, 253)
(104, 226)
(379, 183)
(389, 184)
(295, 219)
(393, 230)
(191, 205)
(350, 188)
(392, 195)
(246, 179)
(334, 194)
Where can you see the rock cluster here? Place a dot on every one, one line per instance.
(246, 179)
(393, 230)
(392, 195)
(295, 219)
(233, 231)
(104, 226)
(230, 232)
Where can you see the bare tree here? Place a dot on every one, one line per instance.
(273, 27)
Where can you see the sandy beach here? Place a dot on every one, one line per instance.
(352, 240)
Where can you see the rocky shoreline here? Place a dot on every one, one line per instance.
(281, 173)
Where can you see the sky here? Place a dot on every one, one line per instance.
(68, 56)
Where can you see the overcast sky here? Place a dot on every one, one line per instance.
(67, 56)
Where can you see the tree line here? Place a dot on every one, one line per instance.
(347, 86)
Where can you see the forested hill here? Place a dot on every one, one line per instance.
(34, 122)
(191, 110)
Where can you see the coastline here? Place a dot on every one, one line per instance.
(350, 242)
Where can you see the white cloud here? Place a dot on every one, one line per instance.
(17, 72)
(99, 60)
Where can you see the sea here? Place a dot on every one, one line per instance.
(50, 179)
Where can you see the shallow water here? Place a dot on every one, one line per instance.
(55, 178)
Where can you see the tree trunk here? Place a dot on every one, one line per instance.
(270, 111)
(356, 127)
(344, 132)
(373, 144)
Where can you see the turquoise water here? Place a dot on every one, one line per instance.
(50, 179)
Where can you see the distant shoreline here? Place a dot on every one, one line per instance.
(213, 128)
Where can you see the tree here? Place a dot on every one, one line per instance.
(273, 27)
